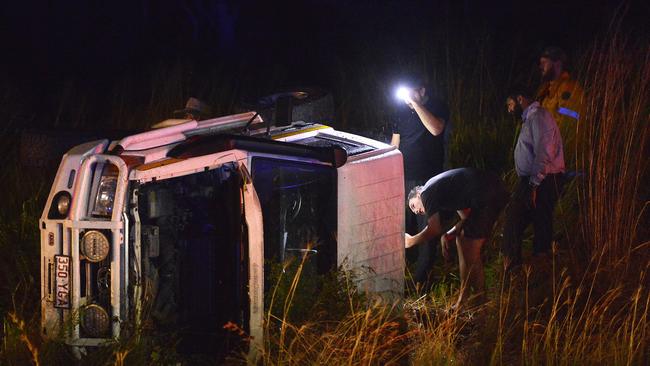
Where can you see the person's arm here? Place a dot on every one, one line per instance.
(433, 124)
(544, 146)
(394, 140)
(453, 232)
(432, 230)
(395, 129)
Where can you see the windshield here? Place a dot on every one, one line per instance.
(299, 207)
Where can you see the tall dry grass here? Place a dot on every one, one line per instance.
(614, 193)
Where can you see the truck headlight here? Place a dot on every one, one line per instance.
(63, 204)
(60, 206)
(95, 321)
(105, 195)
(94, 246)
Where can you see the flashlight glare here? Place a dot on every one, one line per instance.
(402, 93)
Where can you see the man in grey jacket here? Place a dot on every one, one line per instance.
(539, 162)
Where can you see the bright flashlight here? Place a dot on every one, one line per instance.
(402, 93)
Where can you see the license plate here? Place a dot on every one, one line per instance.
(62, 269)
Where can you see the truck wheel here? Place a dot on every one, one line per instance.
(310, 104)
(317, 107)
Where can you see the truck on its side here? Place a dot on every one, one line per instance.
(174, 226)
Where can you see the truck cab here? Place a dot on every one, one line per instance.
(172, 228)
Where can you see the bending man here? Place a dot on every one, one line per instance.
(477, 197)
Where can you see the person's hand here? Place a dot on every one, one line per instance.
(444, 244)
(408, 240)
(413, 97)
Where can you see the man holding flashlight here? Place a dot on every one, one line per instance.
(478, 197)
(419, 131)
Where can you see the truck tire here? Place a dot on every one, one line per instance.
(318, 108)
(312, 104)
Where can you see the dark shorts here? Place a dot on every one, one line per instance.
(482, 218)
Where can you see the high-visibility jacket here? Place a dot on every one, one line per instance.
(563, 97)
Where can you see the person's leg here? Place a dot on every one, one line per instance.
(471, 269)
(547, 196)
(423, 264)
(517, 218)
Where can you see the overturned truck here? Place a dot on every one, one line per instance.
(173, 226)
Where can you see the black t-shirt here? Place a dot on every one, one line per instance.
(423, 153)
(458, 189)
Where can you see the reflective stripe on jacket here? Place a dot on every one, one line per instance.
(562, 97)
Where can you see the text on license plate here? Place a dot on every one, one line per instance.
(62, 270)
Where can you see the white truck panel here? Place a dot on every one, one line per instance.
(371, 221)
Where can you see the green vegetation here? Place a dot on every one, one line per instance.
(589, 305)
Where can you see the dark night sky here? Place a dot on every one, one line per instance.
(100, 41)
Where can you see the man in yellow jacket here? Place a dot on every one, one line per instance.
(561, 95)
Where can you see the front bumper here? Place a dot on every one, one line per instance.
(61, 319)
